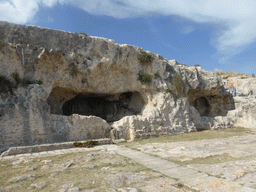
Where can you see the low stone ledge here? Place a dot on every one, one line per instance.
(49, 147)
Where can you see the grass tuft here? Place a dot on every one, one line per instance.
(39, 82)
(192, 136)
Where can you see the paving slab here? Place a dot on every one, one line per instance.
(191, 177)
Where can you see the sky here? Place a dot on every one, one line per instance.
(216, 34)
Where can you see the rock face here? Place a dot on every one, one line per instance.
(244, 93)
(59, 86)
(241, 86)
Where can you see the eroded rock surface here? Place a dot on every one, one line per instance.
(89, 85)
(243, 90)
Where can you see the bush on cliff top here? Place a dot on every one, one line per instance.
(145, 58)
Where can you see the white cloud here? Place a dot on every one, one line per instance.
(18, 11)
(238, 16)
(187, 29)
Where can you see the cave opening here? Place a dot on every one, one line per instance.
(111, 107)
(211, 102)
(202, 106)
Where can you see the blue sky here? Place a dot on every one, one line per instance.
(216, 34)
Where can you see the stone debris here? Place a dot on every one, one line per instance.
(39, 185)
(89, 166)
(23, 177)
(10, 188)
(31, 168)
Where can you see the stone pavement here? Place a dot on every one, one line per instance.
(191, 178)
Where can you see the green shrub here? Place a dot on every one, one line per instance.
(178, 85)
(39, 82)
(145, 58)
(243, 77)
(146, 78)
(197, 65)
(16, 78)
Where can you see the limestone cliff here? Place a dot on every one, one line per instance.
(59, 86)
(243, 89)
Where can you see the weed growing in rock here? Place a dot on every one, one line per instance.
(180, 185)
(146, 78)
(83, 34)
(73, 69)
(168, 91)
(145, 58)
(87, 144)
(26, 82)
(178, 85)
(16, 78)
(39, 82)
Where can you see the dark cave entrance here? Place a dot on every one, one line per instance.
(202, 106)
(111, 107)
(211, 102)
(103, 106)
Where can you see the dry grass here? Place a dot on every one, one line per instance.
(209, 159)
(178, 86)
(227, 74)
(84, 177)
(192, 136)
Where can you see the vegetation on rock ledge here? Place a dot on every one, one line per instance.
(145, 58)
(178, 86)
(146, 78)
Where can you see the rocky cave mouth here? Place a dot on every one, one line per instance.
(210, 103)
(202, 106)
(111, 107)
